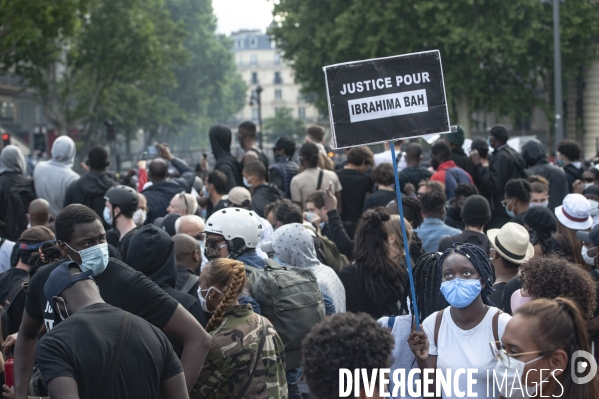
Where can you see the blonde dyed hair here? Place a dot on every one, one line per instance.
(227, 273)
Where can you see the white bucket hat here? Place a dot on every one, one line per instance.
(575, 212)
(512, 242)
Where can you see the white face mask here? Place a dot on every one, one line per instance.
(543, 204)
(139, 217)
(587, 185)
(203, 298)
(514, 375)
(589, 260)
(594, 207)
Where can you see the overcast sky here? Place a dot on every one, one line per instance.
(233, 15)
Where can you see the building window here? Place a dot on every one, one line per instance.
(253, 42)
(278, 79)
(254, 78)
(301, 113)
(253, 59)
(277, 59)
(278, 94)
(254, 114)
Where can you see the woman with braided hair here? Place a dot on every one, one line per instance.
(427, 282)
(246, 357)
(458, 336)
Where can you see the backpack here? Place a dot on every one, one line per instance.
(16, 201)
(10, 298)
(291, 300)
(328, 254)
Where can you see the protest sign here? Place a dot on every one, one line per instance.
(386, 99)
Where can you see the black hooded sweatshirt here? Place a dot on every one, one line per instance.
(152, 252)
(89, 190)
(220, 141)
(536, 159)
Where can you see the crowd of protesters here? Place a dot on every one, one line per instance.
(262, 277)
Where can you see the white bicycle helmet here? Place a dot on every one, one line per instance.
(238, 226)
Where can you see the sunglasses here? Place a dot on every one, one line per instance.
(182, 195)
(200, 236)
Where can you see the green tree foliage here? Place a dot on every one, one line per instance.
(495, 53)
(115, 42)
(26, 28)
(283, 124)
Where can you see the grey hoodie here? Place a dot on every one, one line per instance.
(51, 178)
(12, 160)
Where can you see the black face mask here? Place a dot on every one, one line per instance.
(211, 251)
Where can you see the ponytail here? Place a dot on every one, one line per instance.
(230, 274)
(46, 254)
(559, 324)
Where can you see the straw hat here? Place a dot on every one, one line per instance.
(512, 242)
(575, 212)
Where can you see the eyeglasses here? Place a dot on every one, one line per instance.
(500, 354)
(213, 243)
(182, 195)
(505, 202)
(200, 236)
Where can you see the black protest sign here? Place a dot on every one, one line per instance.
(386, 99)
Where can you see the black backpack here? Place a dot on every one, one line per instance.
(16, 201)
(10, 298)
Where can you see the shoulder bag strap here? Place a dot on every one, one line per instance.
(12, 294)
(258, 357)
(496, 328)
(438, 325)
(116, 360)
(190, 282)
(319, 179)
(391, 322)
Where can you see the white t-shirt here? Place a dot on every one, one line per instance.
(465, 349)
(386, 157)
(5, 253)
(403, 357)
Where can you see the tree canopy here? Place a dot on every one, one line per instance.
(495, 53)
(283, 124)
(151, 64)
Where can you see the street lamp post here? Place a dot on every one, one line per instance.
(557, 75)
(255, 99)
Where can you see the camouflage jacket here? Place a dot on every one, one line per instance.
(231, 357)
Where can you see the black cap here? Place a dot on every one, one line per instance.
(500, 133)
(589, 236)
(593, 190)
(476, 210)
(540, 219)
(60, 279)
(481, 146)
(168, 223)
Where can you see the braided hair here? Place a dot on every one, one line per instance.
(227, 273)
(46, 254)
(427, 283)
(479, 260)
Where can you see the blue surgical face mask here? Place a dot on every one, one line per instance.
(460, 292)
(489, 143)
(205, 192)
(247, 183)
(107, 216)
(509, 213)
(94, 258)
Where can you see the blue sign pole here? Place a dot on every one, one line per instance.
(406, 245)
